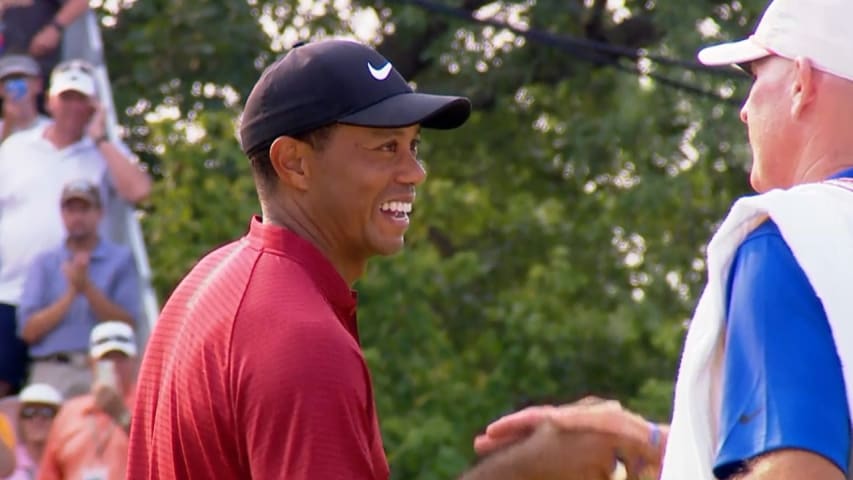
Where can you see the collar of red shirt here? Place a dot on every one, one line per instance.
(334, 287)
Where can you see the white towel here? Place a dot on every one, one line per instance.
(816, 221)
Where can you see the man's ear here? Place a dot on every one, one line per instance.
(288, 158)
(50, 104)
(803, 88)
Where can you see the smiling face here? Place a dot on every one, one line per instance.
(361, 189)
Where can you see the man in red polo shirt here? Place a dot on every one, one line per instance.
(254, 369)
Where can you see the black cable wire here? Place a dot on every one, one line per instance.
(592, 51)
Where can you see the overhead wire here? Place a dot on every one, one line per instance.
(593, 51)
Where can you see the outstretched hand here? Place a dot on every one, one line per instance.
(515, 426)
(591, 414)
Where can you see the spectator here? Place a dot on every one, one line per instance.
(30, 189)
(89, 436)
(79, 128)
(71, 288)
(7, 445)
(36, 26)
(21, 79)
(39, 404)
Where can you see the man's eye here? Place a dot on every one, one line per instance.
(414, 146)
(389, 147)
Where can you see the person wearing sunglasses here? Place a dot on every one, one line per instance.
(39, 404)
(89, 438)
(20, 86)
(36, 27)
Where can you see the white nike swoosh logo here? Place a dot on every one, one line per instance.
(379, 73)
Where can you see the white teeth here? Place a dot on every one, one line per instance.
(404, 207)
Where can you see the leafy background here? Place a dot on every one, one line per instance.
(557, 247)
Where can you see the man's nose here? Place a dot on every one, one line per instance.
(414, 172)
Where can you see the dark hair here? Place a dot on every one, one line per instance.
(262, 168)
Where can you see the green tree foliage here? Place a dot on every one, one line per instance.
(557, 246)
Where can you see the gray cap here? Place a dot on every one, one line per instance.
(18, 65)
(81, 190)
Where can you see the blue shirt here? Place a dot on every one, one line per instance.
(782, 381)
(111, 269)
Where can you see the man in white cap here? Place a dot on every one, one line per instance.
(89, 438)
(79, 124)
(38, 406)
(761, 392)
(34, 167)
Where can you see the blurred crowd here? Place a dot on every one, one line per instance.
(69, 296)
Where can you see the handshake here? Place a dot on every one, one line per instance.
(592, 439)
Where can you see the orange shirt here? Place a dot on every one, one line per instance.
(7, 435)
(85, 443)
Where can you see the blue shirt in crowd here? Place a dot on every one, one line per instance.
(111, 269)
(782, 385)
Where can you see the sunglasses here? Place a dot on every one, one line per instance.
(34, 411)
(15, 87)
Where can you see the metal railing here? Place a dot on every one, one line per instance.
(82, 40)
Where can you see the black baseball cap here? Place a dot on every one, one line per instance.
(338, 81)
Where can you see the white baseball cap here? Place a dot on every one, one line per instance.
(815, 29)
(73, 75)
(112, 336)
(40, 393)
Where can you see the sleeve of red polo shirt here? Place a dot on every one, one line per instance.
(302, 396)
